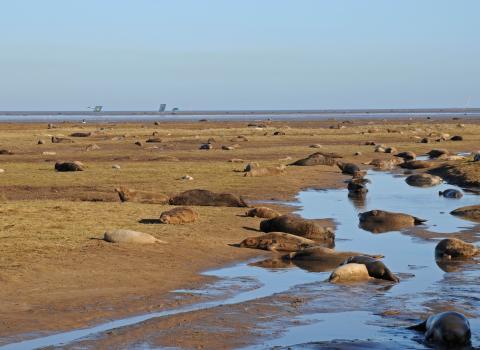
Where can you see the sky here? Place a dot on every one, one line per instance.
(243, 54)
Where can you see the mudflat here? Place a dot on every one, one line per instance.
(57, 273)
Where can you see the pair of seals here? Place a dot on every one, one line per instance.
(379, 221)
(180, 215)
(299, 227)
(449, 328)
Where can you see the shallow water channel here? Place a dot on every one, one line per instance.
(373, 313)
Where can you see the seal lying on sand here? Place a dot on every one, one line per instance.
(59, 139)
(435, 153)
(207, 198)
(320, 259)
(317, 158)
(447, 328)
(349, 273)
(423, 180)
(180, 215)
(262, 212)
(383, 164)
(129, 236)
(375, 267)
(408, 155)
(265, 171)
(451, 248)
(277, 241)
(130, 195)
(69, 166)
(81, 134)
(299, 227)
(451, 193)
(350, 169)
(471, 212)
(378, 221)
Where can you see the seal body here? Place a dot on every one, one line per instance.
(408, 155)
(449, 328)
(265, 171)
(375, 267)
(69, 166)
(131, 195)
(262, 212)
(349, 273)
(438, 152)
(423, 180)
(180, 215)
(277, 241)
(300, 227)
(317, 158)
(350, 169)
(207, 198)
(452, 248)
(129, 236)
(416, 164)
(378, 221)
(471, 212)
(451, 193)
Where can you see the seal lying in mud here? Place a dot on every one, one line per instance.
(417, 164)
(207, 198)
(375, 267)
(408, 155)
(69, 166)
(299, 227)
(451, 193)
(321, 259)
(129, 236)
(447, 328)
(262, 212)
(378, 221)
(277, 241)
(317, 158)
(350, 169)
(349, 273)
(130, 195)
(471, 212)
(452, 248)
(180, 215)
(423, 180)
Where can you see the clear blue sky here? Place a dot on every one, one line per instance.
(215, 54)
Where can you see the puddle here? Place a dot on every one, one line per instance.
(424, 286)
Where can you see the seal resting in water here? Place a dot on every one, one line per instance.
(129, 236)
(452, 248)
(378, 221)
(180, 215)
(262, 212)
(317, 158)
(130, 195)
(69, 166)
(299, 227)
(450, 193)
(423, 180)
(375, 267)
(321, 259)
(471, 212)
(349, 273)
(208, 198)
(277, 241)
(416, 164)
(446, 328)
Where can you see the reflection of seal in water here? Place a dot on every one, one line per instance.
(376, 268)
(378, 221)
(471, 212)
(349, 273)
(277, 241)
(299, 227)
(451, 193)
(321, 259)
(446, 328)
(452, 248)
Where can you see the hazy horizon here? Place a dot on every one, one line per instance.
(222, 55)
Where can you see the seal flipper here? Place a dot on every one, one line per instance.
(421, 327)
(418, 221)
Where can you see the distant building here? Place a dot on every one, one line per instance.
(162, 108)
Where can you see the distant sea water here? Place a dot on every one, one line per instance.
(111, 117)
